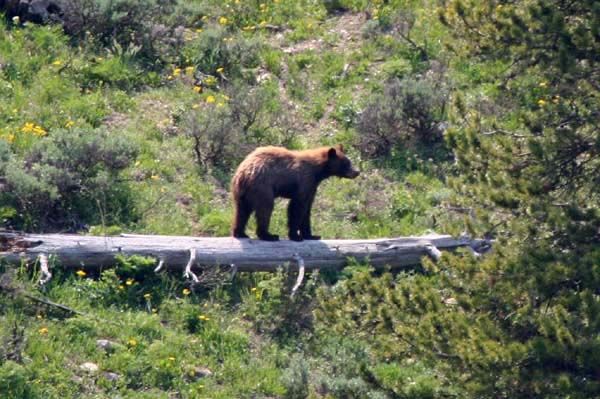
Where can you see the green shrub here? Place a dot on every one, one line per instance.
(216, 48)
(296, 378)
(148, 26)
(14, 382)
(116, 70)
(224, 130)
(407, 113)
(67, 179)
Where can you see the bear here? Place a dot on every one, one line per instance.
(271, 172)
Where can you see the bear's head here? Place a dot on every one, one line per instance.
(338, 163)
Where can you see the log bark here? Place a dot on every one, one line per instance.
(93, 252)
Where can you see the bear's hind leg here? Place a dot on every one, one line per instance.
(242, 213)
(263, 218)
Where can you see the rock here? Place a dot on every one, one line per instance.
(113, 377)
(89, 367)
(38, 11)
(108, 346)
(105, 344)
(197, 373)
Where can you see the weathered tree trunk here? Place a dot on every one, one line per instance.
(91, 252)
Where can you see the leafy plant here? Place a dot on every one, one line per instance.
(67, 179)
(407, 113)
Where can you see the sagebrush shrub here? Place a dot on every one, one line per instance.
(152, 26)
(408, 112)
(227, 128)
(68, 179)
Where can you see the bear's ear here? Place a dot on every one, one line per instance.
(331, 153)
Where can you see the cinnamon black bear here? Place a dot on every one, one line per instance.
(271, 172)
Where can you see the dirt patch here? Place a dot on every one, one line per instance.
(343, 31)
(116, 121)
(348, 28)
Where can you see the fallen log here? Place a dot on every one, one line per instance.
(175, 252)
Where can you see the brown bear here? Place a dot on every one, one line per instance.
(271, 172)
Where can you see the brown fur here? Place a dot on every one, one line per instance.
(271, 172)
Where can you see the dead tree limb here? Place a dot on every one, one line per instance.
(175, 252)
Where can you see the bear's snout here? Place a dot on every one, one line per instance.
(352, 173)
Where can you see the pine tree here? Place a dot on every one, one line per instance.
(524, 320)
(530, 163)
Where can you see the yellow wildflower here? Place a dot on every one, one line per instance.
(129, 281)
(28, 127)
(253, 289)
(210, 99)
(170, 77)
(186, 291)
(176, 71)
(220, 104)
(541, 102)
(39, 131)
(57, 62)
(189, 70)
(155, 177)
(43, 331)
(205, 17)
(132, 342)
(199, 30)
(210, 81)
(263, 24)
(80, 273)
(223, 21)
(543, 84)
(248, 28)
(197, 89)
(147, 296)
(121, 287)
(10, 138)
(69, 124)
(172, 358)
(220, 69)
(203, 317)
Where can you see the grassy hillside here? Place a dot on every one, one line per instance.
(133, 115)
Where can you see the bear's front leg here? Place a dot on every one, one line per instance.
(295, 211)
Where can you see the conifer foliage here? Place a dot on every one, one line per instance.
(524, 321)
